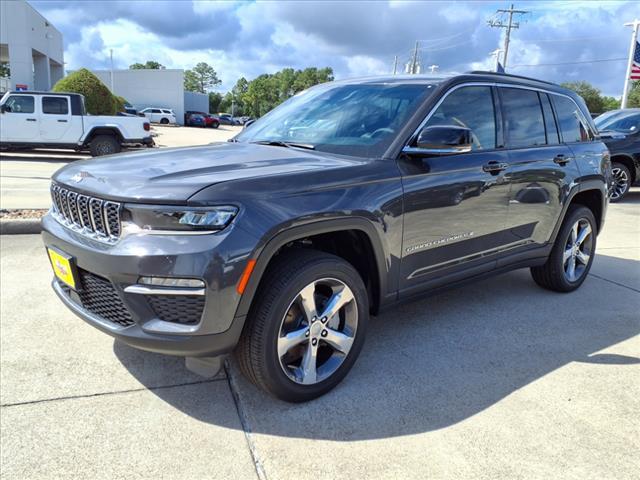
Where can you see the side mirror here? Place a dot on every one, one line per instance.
(248, 123)
(442, 140)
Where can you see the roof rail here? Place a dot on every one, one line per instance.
(483, 72)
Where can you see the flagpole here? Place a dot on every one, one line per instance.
(632, 49)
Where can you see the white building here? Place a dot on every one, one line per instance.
(162, 88)
(31, 46)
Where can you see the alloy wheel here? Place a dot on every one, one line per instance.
(578, 250)
(620, 183)
(317, 331)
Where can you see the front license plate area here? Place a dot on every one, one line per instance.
(63, 267)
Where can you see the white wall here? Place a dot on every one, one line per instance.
(28, 37)
(196, 102)
(148, 88)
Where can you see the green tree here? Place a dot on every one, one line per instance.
(4, 70)
(610, 103)
(201, 78)
(589, 93)
(215, 99)
(120, 103)
(98, 99)
(149, 64)
(633, 100)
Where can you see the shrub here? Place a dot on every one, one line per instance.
(120, 103)
(98, 99)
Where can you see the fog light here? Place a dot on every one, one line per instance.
(172, 282)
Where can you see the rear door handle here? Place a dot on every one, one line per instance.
(561, 159)
(62, 121)
(31, 119)
(494, 167)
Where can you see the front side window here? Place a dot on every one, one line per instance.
(155, 110)
(570, 120)
(472, 108)
(350, 119)
(20, 104)
(55, 105)
(524, 123)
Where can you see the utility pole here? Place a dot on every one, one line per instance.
(111, 56)
(632, 49)
(509, 26)
(395, 64)
(414, 67)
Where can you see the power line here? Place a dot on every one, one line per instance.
(571, 63)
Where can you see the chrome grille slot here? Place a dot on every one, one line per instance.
(94, 217)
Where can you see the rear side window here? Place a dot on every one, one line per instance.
(20, 104)
(553, 138)
(470, 107)
(55, 105)
(569, 120)
(524, 123)
(155, 110)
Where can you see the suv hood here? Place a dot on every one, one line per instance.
(173, 175)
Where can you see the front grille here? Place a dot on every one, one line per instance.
(184, 309)
(90, 215)
(100, 298)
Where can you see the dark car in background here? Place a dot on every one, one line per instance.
(196, 120)
(209, 120)
(620, 131)
(227, 119)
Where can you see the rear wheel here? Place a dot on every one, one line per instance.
(104, 145)
(572, 254)
(621, 181)
(215, 124)
(306, 327)
(164, 121)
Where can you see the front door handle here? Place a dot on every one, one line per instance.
(494, 167)
(62, 121)
(561, 159)
(31, 119)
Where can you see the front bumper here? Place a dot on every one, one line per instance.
(217, 259)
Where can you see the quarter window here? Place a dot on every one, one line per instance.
(524, 122)
(20, 104)
(55, 105)
(472, 108)
(570, 120)
(549, 121)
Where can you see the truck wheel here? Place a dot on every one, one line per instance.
(104, 145)
(306, 326)
(621, 181)
(572, 254)
(164, 121)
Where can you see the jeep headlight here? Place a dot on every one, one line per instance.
(155, 219)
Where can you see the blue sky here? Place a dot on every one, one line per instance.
(355, 38)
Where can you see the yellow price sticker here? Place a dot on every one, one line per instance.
(62, 268)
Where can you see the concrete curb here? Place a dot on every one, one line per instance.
(20, 226)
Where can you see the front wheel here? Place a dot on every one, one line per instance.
(572, 254)
(104, 145)
(164, 121)
(621, 181)
(306, 326)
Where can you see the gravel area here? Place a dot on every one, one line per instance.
(20, 214)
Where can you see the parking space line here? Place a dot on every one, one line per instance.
(614, 282)
(244, 421)
(115, 392)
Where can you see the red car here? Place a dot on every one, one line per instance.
(209, 120)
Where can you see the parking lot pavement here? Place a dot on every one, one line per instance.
(25, 176)
(498, 379)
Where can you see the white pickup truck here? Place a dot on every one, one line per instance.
(59, 120)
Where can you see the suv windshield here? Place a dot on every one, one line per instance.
(360, 120)
(626, 122)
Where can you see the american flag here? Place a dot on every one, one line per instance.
(635, 68)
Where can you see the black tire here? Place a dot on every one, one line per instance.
(552, 275)
(164, 121)
(286, 276)
(215, 124)
(104, 145)
(622, 181)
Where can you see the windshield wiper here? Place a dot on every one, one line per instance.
(280, 143)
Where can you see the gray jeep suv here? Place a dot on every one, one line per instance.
(348, 198)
